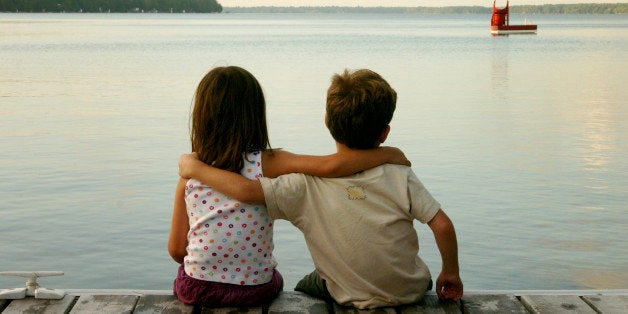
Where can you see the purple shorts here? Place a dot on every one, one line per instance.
(210, 293)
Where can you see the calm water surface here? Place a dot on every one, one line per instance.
(522, 138)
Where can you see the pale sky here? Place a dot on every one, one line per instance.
(398, 3)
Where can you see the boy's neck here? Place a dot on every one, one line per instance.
(343, 148)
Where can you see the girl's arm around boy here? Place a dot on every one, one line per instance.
(250, 191)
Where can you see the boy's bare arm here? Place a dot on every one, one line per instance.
(347, 161)
(342, 163)
(448, 285)
(226, 182)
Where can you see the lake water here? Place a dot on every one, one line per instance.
(523, 139)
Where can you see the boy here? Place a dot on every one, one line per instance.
(359, 229)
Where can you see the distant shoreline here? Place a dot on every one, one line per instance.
(582, 8)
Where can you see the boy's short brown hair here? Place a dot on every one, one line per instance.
(360, 105)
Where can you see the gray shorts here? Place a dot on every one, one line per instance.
(315, 286)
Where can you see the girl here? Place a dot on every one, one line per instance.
(225, 247)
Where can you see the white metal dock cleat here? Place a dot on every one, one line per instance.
(32, 287)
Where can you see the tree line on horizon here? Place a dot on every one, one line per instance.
(582, 8)
(212, 6)
(123, 6)
(579, 8)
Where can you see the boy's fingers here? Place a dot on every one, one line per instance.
(439, 289)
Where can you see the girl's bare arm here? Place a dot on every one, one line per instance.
(178, 240)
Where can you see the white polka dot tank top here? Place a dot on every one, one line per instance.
(229, 241)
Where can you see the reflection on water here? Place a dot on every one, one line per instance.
(597, 135)
(499, 67)
(590, 278)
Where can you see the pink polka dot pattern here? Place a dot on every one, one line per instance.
(229, 241)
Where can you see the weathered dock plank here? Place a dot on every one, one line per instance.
(32, 305)
(607, 303)
(298, 303)
(158, 301)
(492, 303)
(556, 304)
(431, 304)
(105, 304)
(165, 304)
(233, 310)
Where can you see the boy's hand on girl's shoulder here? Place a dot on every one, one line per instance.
(396, 156)
(186, 165)
(449, 287)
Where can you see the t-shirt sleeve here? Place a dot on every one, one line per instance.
(284, 195)
(422, 205)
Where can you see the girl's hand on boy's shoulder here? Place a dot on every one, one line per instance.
(186, 165)
(396, 156)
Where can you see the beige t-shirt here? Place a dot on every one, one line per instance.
(359, 230)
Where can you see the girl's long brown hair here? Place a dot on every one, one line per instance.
(229, 118)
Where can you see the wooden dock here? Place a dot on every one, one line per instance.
(159, 301)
